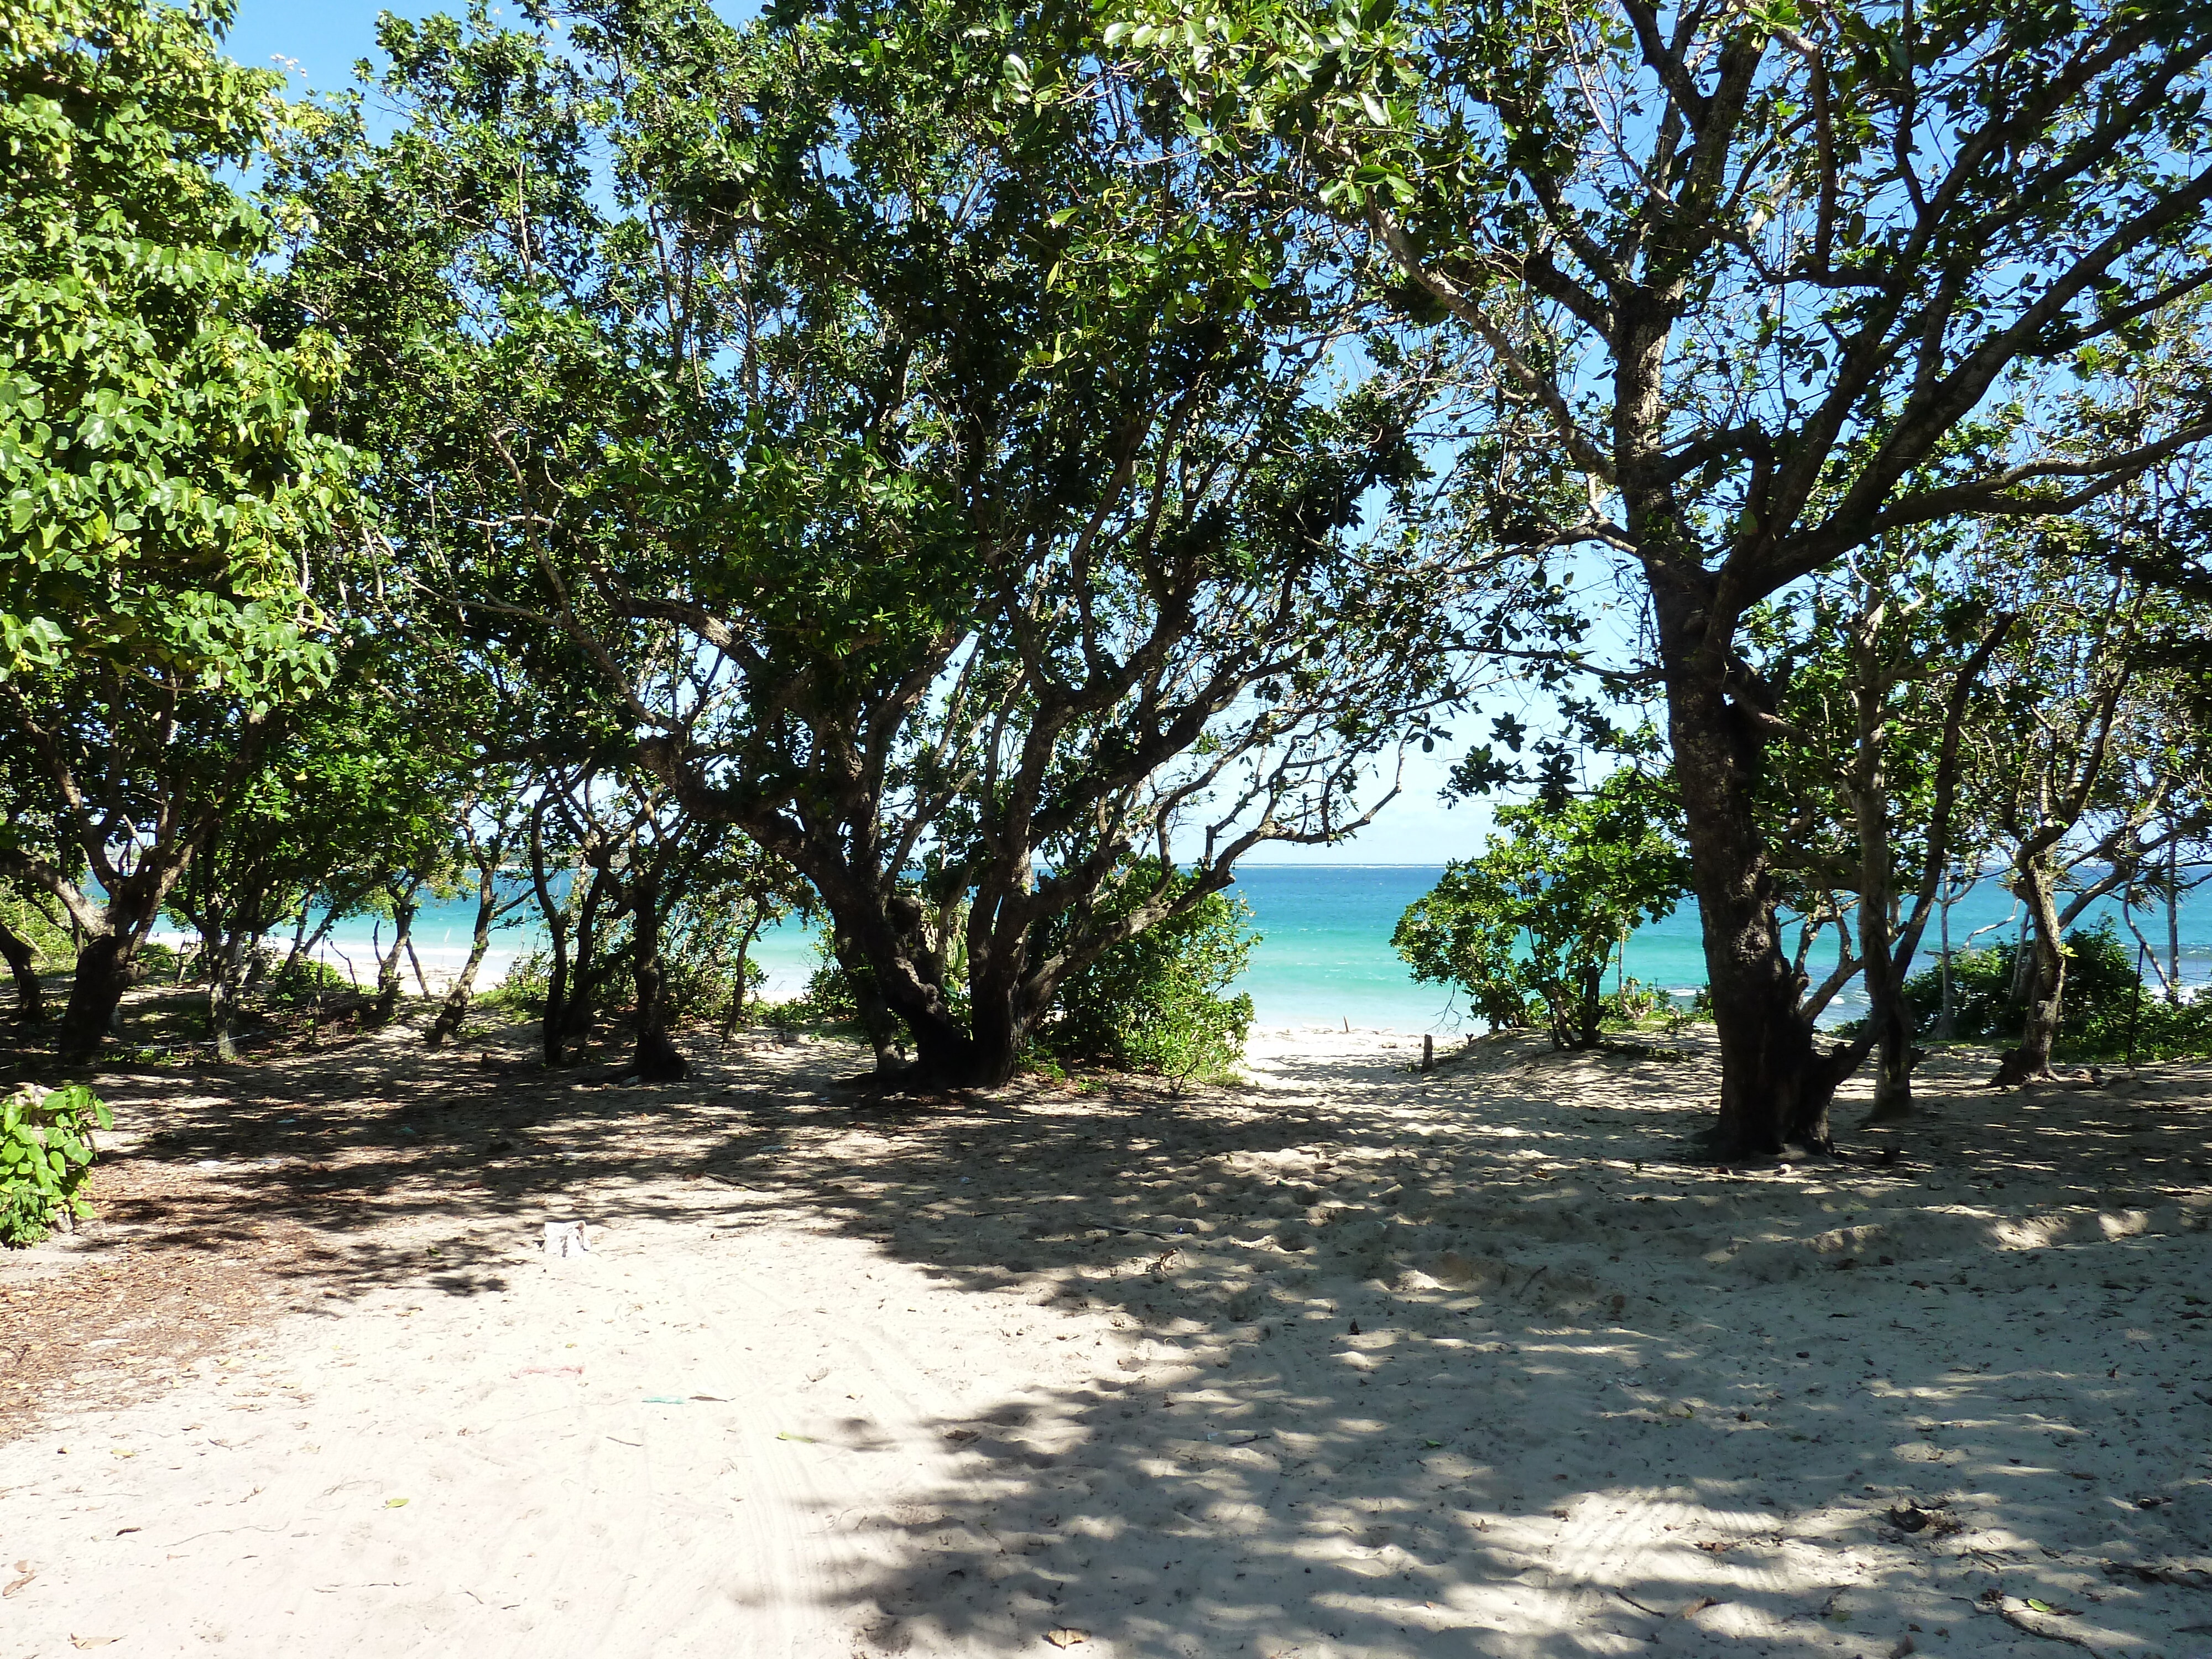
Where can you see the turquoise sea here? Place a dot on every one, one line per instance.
(1324, 957)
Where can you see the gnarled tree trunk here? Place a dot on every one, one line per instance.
(1776, 1085)
(2044, 977)
(104, 973)
(456, 1007)
(222, 959)
(654, 1059)
(389, 977)
(23, 968)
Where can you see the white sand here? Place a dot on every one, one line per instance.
(841, 1383)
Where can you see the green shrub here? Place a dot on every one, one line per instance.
(1154, 1003)
(46, 1149)
(829, 993)
(2102, 1004)
(30, 920)
(1633, 1002)
(1527, 929)
(522, 989)
(304, 979)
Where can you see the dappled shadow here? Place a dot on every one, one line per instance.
(1379, 1361)
(1464, 1363)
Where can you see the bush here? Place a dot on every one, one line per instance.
(1527, 929)
(46, 1149)
(2102, 1003)
(828, 999)
(1154, 1003)
(29, 920)
(522, 989)
(1633, 1002)
(303, 981)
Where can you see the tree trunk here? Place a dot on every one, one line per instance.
(555, 1019)
(555, 918)
(1592, 1006)
(737, 1014)
(1890, 1031)
(1776, 1087)
(940, 1045)
(103, 974)
(2023, 959)
(257, 964)
(654, 1059)
(2174, 920)
(389, 979)
(1946, 1015)
(2045, 980)
(305, 944)
(225, 992)
(455, 1008)
(1883, 950)
(23, 966)
(569, 1015)
(998, 1026)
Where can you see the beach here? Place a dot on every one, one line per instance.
(1348, 1359)
(1323, 955)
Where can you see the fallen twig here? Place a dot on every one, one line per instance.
(2022, 1624)
(2194, 1578)
(1141, 1232)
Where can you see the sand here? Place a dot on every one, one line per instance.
(1480, 1361)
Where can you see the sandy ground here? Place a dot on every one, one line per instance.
(1351, 1362)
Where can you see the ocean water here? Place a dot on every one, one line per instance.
(1324, 957)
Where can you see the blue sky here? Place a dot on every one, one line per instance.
(325, 38)
(322, 41)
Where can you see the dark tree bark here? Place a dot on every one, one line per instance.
(222, 964)
(1776, 1085)
(2045, 979)
(580, 974)
(23, 967)
(880, 1019)
(654, 1059)
(104, 973)
(555, 918)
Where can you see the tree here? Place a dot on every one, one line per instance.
(648, 891)
(960, 511)
(1878, 671)
(166, 501)
(1539, 913)
(489, 828)
(31, 926)
(2091, 786)
(1752, 271)
(358, 792)
(1159, 1001)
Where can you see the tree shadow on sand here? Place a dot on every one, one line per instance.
(1471, 1361)
(1428, 1367)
